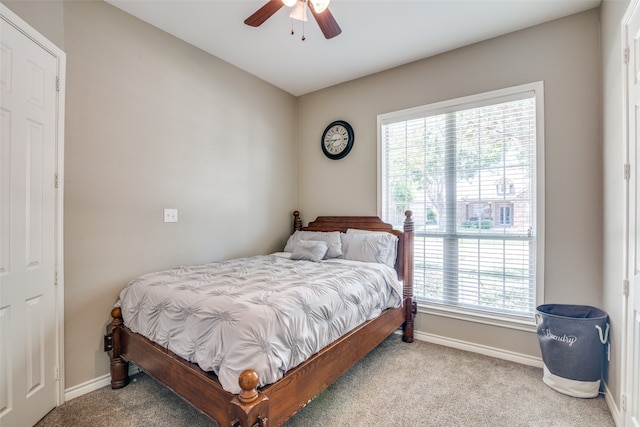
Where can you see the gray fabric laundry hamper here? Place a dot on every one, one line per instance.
(572, 341)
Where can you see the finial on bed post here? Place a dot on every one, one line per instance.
(297, 222)
(407, 297)
(119, 368)
(250, 408)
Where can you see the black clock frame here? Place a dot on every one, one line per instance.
(349, 146)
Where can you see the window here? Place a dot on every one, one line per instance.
(469, 171)
(505, 186)
(505, 215)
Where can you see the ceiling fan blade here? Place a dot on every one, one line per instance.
(264, 13)
(326, 22)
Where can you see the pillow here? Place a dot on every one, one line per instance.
(365, 247)
(309, 250)
(331, 238)
(391, 239)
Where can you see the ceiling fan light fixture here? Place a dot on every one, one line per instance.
(289, 3)
(320, 5)
(299, 11)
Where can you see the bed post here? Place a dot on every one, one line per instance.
(250, 408)
(113, 344)
(408, 302)
(297, 222)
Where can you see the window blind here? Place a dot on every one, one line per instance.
(467, 170)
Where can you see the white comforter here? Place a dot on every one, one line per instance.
(267, 313)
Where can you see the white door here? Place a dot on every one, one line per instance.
(29, 347)
(631, 389)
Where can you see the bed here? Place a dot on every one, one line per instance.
(253, 402)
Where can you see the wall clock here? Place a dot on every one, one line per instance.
(337, 140)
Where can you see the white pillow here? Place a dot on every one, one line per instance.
(365, 247)
(390, 239)
(331, 238)
(309, 250)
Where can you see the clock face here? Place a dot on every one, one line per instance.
(337, 140)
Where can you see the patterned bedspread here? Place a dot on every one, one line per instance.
(267, 313)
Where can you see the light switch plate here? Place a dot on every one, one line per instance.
(171, 215)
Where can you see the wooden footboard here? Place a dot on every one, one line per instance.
(273, 404)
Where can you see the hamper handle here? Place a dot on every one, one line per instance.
(604, 339)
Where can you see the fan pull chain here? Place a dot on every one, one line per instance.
(303, 38)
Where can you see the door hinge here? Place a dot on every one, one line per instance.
(55, 279)
(57, 84)
(56, 183)
(57, 378)
(623, 402)
(625, 287)
(627, 171)
(625, 55)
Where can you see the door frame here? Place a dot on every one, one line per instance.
(631, 168)
(14, 20)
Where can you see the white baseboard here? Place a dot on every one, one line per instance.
(87, 387)
(498, 353)
(615, 411)
(94, 384)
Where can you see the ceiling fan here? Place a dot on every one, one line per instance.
(323, 16)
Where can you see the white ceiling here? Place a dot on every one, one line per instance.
(376, 34)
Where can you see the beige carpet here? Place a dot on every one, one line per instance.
(398, 384)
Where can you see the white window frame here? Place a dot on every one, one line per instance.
(490, 318)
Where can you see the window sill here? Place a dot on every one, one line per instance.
(492, 319)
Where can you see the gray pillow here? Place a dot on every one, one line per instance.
(309, 250)
(331, 238)
(391, 239)
(365, 247)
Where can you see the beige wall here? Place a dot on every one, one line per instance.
(564, 54)
(613, 159)
(154, 123)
